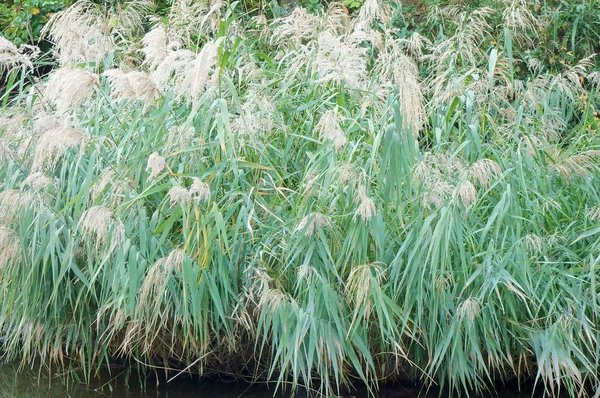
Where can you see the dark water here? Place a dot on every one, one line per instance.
(29, 383)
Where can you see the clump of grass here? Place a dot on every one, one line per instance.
(312, 201)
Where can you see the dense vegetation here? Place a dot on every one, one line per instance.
(311, 198)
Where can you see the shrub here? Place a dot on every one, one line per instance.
(23, 20)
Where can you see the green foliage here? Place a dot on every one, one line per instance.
(22, 20)
(353, 4)
(313, 6)
(572, 32)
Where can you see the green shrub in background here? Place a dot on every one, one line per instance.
(22, 20)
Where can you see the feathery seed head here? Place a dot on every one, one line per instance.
(179, 196)
(156, 164)
(261, 19)
(159, 273)
(437, 193)
(9, 245)
(361, 280)
(366, 206)
(175, 260)
(358, 37)
(11, 124)
(108, 178)
(195, 76)
(95, 222)
(484, 171)
(466, 193)
(272, 300)
(126, 19)
(452, 12)
(45, 123)
(300, 25)
(339, 61)
(306, 272)
(132, 85)
(5, 152)
(462, 51)
(53, 144)
(309, 181)
(174, 64)
(258, 282)
(578, 165)
(594, 79)
(179, 137)
(190, 19)
(37, 181)
(443, 281)
(347, 174)
(422, 171)
(256, 115)
(413, 46)
(535, 65)
(155, 45)
(533, 243)
(336, 19)
(311, 222)
(12, 202)
(370, 12)
(569, 81)
(12, 57)
(79, 33)
(397, 70)
(329, 129)
(594, 213)
(200, 189)
(68, 88)
(117, 234)
(519, 19)
(469, 308)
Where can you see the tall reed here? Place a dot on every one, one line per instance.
(315, 200)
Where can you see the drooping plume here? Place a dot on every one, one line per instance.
(156, 164)
(298, 26)
(134, 85)
(366, 207)
(53, 144)
(12, 57)
(329, 129)
(396, 70)
(192, 83)
(80, 33)
(311, 222)
(155, 46)
(9, 245)
(99, 224)
(68, 88)
(179, 196)
(339, 61)
(200, 189)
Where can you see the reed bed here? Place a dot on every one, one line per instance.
(314, 200)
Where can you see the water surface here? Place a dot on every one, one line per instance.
(30, 383)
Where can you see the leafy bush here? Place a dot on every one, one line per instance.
(22, 20)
